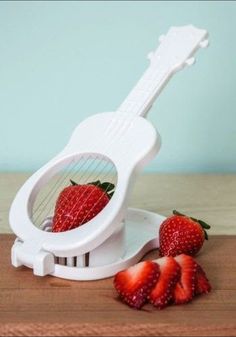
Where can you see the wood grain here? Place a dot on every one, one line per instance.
(210, 197)
(48, 306)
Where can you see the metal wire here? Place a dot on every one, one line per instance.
(44, 213)
(65, 177)
(58, 181)
(61, 180)
(105, 191)
(89, 177)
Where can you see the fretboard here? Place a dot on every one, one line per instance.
(141, 98)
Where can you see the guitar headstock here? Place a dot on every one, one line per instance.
(178, 46)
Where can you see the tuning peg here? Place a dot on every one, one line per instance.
(204, 44)
(161, 38)
(190, 61)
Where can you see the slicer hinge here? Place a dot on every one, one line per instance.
(31, 255)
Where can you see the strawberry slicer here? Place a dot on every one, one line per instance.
(122, 143)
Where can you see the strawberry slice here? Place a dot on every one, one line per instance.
(161, 295)
(135, 283)
(185, 287)
(202, 283)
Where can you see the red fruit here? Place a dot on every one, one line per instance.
(161, 294)
(135, 283)
(185, 287)
(77, 204)
(180, 234)
(202, 283)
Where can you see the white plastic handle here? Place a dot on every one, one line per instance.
(174, 52)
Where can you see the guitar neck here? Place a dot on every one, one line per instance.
(141, 98)
(174, 52)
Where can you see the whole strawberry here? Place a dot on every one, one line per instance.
(180, 234)
(77, 204)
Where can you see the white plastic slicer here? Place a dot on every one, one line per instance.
(122, 143)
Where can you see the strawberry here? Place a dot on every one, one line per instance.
(202, 283)
(78, 204)
(162, 282)
(161, 294)
(180, 234)
(135, 283)
(185, 287)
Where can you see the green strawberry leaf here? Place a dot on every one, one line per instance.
(107, 186)
(177, 213)
(95, 183)
(206, 235)
(194, 219)
(204, 224)
(73, 182)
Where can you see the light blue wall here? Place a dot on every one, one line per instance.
(63, 61)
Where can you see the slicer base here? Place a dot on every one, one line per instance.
(141, 236)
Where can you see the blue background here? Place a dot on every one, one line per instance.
(63, 61)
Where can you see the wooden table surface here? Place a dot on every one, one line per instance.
(49, 306)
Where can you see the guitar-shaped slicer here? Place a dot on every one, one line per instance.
(111, 146)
